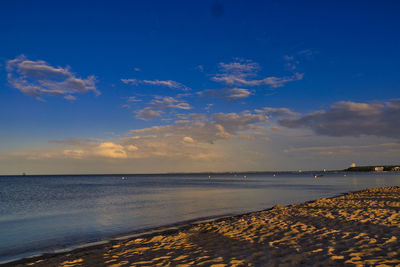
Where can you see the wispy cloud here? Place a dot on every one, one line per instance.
(352, 119)
(234, 122)
(109, 150)
(163, 102)
(159, 103)
(208, 107)
(75, 141)
(308, 53)
(133, 99)
(343, 147)
(277, 112)
(207, 129)
(343, 150)
(240, 67)
(130, 101)
(155, 146)
(38, 78)
(167, 83)
(227, 94)
(273, 82)
(148, 114)
(290, 62)
(239, 73)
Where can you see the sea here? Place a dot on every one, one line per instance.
(55, 213)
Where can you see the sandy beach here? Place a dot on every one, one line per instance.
(359, 228)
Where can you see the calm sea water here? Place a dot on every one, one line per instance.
(47, 213)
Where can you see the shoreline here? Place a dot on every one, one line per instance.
(174, 232)
(145, 232)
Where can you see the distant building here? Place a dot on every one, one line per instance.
(353, 165)
(396, 169)
(379, 169)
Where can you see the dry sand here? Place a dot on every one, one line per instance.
(360, 228)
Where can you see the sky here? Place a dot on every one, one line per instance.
(198, 86)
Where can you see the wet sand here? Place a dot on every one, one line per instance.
(360, 228)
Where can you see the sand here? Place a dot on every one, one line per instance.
(359, 228)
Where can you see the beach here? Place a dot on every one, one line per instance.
(357, 228)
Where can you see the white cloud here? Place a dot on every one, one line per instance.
(94, 148)
(187, 139)
(38, 78)
(105, 149)
(132, 148)
(110, 150)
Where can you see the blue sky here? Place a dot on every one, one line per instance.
(160, 86)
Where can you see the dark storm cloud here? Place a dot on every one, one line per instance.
(351, 119)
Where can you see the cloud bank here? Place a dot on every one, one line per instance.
(192, 139)
(352, 119)
(206, 129)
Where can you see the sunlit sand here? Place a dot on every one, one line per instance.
(360, 228)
